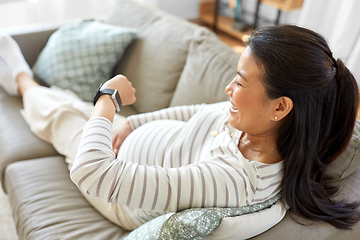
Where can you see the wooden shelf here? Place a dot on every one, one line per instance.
(225, 24)
(285, 5)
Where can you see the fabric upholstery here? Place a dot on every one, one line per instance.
(127, 111)
(82, 55)
(17, 142)
(49, 206)
(154, 62)
(209, 68)
(349, 160)
(33, 41)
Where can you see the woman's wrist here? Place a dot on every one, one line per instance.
(104, 107)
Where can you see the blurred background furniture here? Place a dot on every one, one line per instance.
(208, 12)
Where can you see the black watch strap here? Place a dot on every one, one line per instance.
(102, 92)
(114, 96)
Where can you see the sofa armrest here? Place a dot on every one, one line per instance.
(32, 39)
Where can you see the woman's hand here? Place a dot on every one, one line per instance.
(104, 107)
(120, 136)
(124, 87)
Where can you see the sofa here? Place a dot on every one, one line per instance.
(171, 62)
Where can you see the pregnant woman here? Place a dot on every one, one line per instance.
(291, 112)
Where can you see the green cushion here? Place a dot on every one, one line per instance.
(82, 55)
(210, 66)
(195, 223)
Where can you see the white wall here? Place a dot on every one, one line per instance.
(189, 9)
(183, 8)
(16, 13)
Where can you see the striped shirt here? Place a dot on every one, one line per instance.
(176, 158)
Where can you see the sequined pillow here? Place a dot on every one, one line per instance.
(82, 55)
(192, 224)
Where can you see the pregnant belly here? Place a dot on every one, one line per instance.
(149, 143)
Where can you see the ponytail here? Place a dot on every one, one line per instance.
(298, 63)
(314, 197)
(346, 107)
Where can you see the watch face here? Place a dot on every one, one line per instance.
(117, 100)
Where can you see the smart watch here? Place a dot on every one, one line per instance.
(114, 94)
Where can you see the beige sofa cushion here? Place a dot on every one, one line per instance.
(47, 205)
(32, 39)
(209, 68)
(155, 60)
(349, 160)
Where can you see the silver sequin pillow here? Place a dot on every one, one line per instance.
(194, 223)
(82, 55)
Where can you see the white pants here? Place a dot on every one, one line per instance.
(58, 116)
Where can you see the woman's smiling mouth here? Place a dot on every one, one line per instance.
(233, 108)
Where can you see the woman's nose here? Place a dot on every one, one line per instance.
(228, 89)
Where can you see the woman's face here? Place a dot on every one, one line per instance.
(251, 112)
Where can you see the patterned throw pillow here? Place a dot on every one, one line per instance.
(82, 55)
(192, 224)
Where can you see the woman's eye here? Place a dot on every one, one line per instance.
(239, 84)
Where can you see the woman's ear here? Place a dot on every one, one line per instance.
(285, 105)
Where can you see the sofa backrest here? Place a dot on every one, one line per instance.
(33, 40)
(156, 59)
(210, 66)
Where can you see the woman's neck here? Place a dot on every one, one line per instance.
(259, 148)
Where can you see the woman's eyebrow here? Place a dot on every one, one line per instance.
(238, 72)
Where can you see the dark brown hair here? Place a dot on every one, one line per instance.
(299, 64)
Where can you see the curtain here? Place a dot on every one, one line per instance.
(339, 22)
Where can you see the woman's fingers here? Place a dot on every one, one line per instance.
(120, 136)
(117, 141)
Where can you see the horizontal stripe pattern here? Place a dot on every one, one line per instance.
(171, 164)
